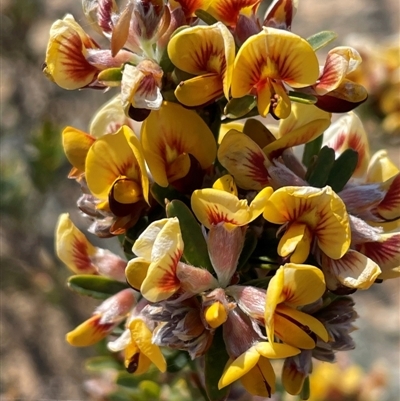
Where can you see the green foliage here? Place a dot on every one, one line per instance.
(321, 39)
(98, 287)
(239, 107)
(196, 251)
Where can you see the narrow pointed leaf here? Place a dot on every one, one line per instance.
(95, 286)
(321, 39)
(250, 243)
(195, 251)
(215, 361)
(206, 17)
(312, 149)
(318, 174)
(302, 98)
(239, 107)
(343, 169)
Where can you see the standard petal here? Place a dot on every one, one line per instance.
(389, 208)
(228, 11)
(164, 137)
(273, 54)
(303, 284)
(110, 157)
(66, 63)
(340, 61)
(353, 270)
(161, 280)
(73, 248)
(381, 167)
(348, 133)
(76, 144)
(244, 159)
(280, 14)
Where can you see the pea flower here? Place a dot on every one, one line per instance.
(207, 52)
(177, 147)
(267, 61)
(293, 286)
(309, 214)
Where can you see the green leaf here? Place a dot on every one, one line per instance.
(215, 361)
(121, 395)
(206, 17)
(95, 286)
(126, 379)
(99, 363)
(321, 39)
(304, 98)
(250, 243)
(161, 194)
(111, 75)
(312, 149)
(305, 391)
(317, 175)
(342, 170)
(196, 251)
(239, 107)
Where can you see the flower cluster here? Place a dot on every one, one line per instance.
(237, 242)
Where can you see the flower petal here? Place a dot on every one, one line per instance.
(226, 183)
(273, 54)
(90, 332)
(348, 133)
(276, 350)
(110, 157)
(260, 380)
(280, 14)
(244, 159)
(143, 339)
(136, 271)
(340, 61)
(76, 144)
(228, 11)
(66, 63)
(164, 137)
(389, 208)
(353, 270)
(381, 167)
(386, 253)
(239, 367)
(73, 248)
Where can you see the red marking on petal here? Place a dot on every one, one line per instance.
(216, 216)
(169, 279)
(256, 168)
(228, 10)
(104, 13)
(74, 62)
(190, 6)
(98, 327)
(356, 143)
(81, 257)
(338, 141)
(391, 201)
(382, 252)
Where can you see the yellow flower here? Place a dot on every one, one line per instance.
(168, 142)
(213, 206)
(309, 213)
(207, 52)
(268, 60)
(254, 369)
(105, 318)
(293, 286)
(248, 155)
(140, 351)
(68, 47)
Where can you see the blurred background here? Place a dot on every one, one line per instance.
(36, 307)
